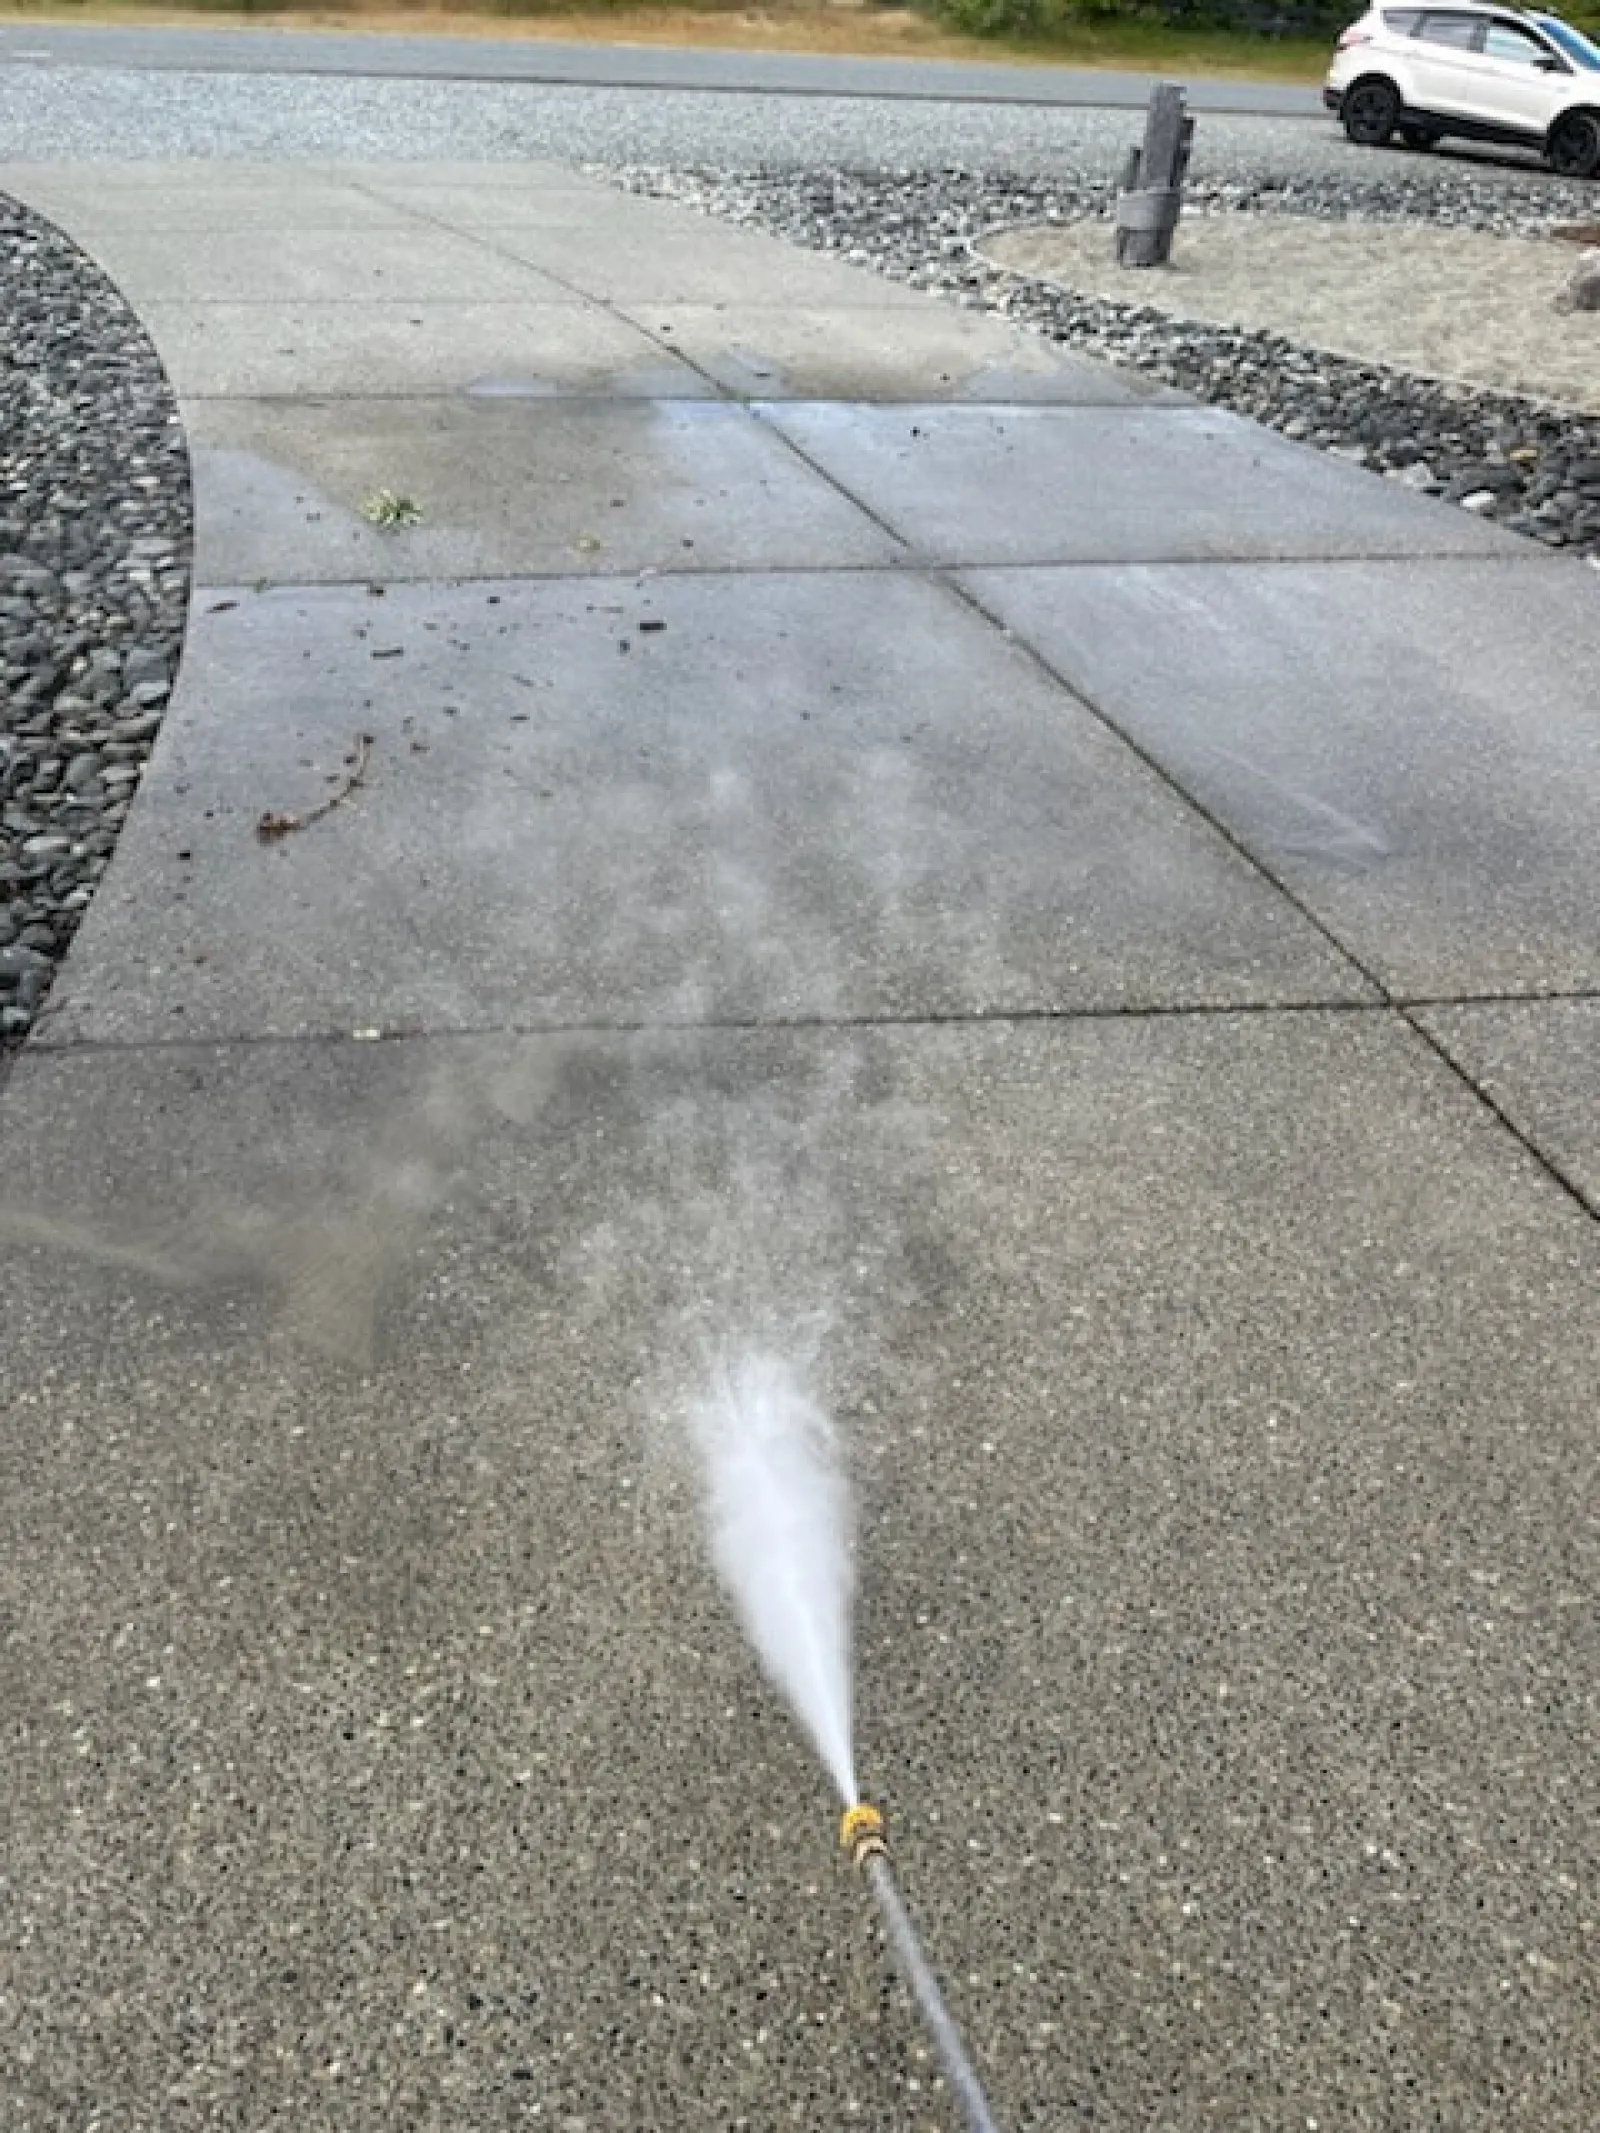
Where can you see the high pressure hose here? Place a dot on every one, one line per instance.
(864, 1835)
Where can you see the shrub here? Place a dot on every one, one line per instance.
(996, 18)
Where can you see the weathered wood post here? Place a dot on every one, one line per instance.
(1151, 192)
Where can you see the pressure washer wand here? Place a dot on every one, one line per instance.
(864, 1835)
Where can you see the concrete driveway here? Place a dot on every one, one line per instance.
(1074, 916)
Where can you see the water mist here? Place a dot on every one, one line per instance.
(782, 1532)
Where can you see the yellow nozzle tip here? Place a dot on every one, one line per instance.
(862, 1820)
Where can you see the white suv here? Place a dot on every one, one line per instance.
(1485, 73)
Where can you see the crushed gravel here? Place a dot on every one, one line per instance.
(94, 575)
(1531, 466)
(54, 111)
(49, 111)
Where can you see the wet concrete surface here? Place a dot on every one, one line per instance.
(505, 485)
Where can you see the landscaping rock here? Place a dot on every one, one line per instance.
(1582, 289)
(94, 491)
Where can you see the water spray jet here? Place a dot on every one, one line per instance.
(781, 1527)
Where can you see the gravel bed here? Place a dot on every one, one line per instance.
(50, 112)
(1532, 467)
(94, 576)
(81, 113)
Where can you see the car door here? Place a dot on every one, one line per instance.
(1441, 59)
(1521, 77)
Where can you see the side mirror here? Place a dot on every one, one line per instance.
(1547, 63)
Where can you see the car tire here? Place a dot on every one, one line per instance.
(1370, 111)
(1419, 138)
(1573, 149)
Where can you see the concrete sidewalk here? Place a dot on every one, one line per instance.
(877, 837)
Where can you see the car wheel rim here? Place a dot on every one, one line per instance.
(1369, 113)
(1576, 147)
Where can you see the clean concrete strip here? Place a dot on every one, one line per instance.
(235, 351)
(967, 485)
(285, 264)
(787, 351)
(748, 798)
(1412, 750)
(658, 253)
(267, 196)
(152, 199)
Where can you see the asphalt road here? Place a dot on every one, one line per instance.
(262, 51)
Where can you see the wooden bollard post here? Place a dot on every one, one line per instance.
(1152, 182)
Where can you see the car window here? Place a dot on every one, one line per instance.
(1503, 40)
(1401, 21)
(1572, 42)
(1463, 31)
